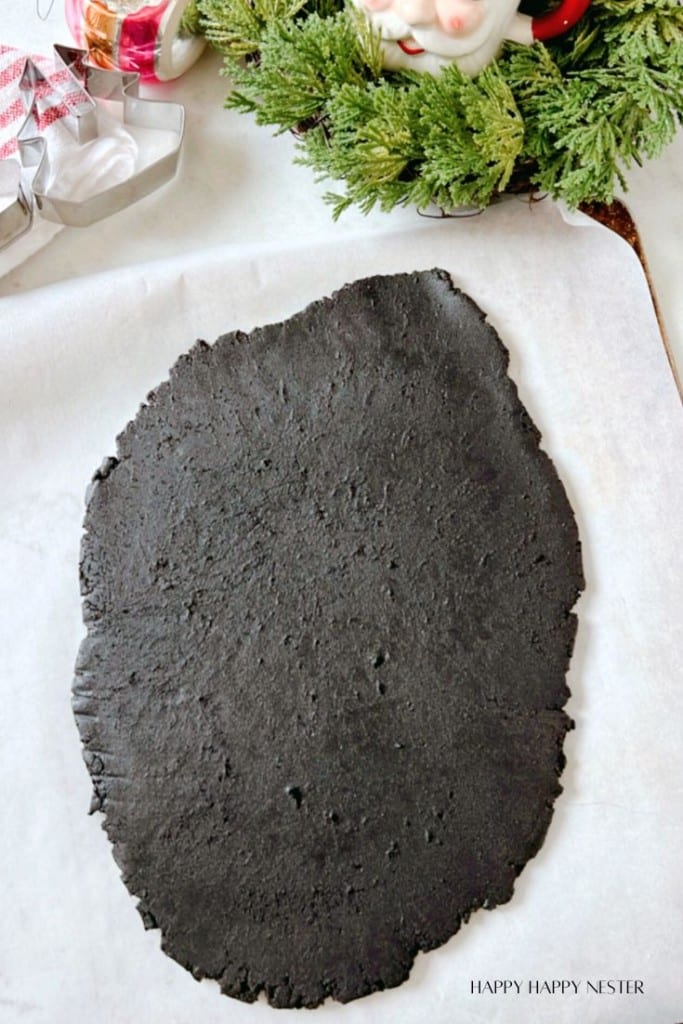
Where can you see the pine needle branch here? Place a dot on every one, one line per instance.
(571, 115)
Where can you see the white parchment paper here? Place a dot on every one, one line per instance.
(603, 899)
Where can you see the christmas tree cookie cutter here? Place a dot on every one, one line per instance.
(81, 86)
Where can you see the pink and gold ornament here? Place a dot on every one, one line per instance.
(135, 35)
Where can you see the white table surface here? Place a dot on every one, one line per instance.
(237, 185)
(94, 320)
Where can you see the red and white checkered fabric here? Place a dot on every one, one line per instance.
(50, 96)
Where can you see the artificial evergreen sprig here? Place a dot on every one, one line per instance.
(237, 27)
(567, 117)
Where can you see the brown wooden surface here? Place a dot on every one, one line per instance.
(617, 217)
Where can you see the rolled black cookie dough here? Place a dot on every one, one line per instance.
(328, 583)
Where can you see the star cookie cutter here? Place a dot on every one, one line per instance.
(81, 86)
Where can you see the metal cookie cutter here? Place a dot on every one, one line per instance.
(83, 85)
(17, 217)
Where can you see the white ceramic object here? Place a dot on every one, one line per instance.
(425, 35)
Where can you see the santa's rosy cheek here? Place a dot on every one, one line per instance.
(460, 17)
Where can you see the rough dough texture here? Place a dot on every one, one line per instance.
(328, 583)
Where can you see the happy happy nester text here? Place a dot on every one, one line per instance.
(557, 987)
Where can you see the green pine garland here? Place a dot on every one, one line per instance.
(568, 117)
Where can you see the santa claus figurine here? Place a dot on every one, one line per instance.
(424, 35)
